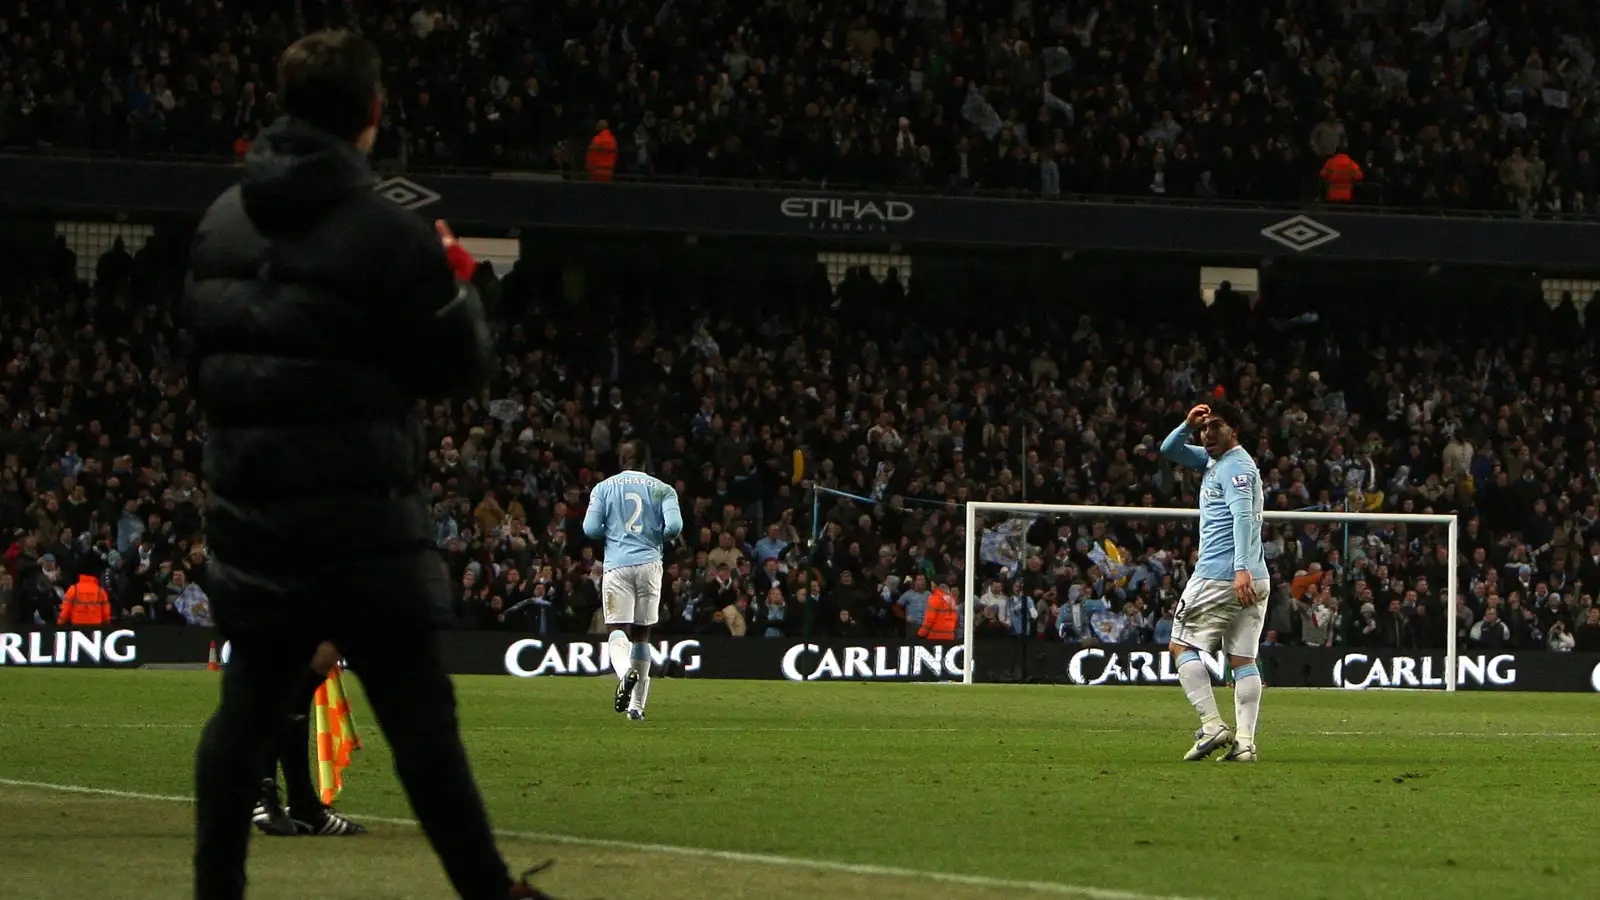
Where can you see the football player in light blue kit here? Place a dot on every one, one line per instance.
(1224, 604)
(637, 514)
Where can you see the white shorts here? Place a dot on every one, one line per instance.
(632, 595)
(1210, 618)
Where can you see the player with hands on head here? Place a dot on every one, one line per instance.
(1223, 605)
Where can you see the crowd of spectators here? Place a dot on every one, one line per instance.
(751, 407)
(1477, 104)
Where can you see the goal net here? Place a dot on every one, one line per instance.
(1079, 595)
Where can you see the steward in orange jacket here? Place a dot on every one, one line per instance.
(1340, 173)
(601, 161)
(943, 618)
(86, 604)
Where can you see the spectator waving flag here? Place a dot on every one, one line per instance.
(194, 606)
(506, 410)
(977, 110)
(1433, 29)
(1392, 78)
(1462, 38)
(1057, 61)
(1107, 624)
(1110, 561)
(1059, 105)
(1005, 545)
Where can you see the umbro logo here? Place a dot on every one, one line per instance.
(405, 193)
(1300, 233)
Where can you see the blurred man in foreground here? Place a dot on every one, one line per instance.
(320, 313)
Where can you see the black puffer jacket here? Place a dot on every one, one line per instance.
(319, 314)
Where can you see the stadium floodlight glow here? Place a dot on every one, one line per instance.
(975, 539)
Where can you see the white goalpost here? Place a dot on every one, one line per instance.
(975, 540)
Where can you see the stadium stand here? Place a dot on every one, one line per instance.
(1466, 106)
(1473, 405)
(760, 379)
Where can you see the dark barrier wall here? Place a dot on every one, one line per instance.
(530, 656)
(142, 188)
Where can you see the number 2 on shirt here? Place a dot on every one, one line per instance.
(635, 502)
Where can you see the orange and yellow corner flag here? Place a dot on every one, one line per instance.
(336, 736)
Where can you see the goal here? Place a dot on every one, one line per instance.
(999, 524)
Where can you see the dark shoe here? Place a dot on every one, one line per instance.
(269, 816)
(331, 823)
(522, 890)
(625, 691)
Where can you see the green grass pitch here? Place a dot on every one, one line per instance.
(778, 790)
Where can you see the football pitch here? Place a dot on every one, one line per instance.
(779, 790)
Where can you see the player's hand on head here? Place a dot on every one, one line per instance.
(1197, 415)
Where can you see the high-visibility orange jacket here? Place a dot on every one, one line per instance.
(942, 618)
(602, 158)
(1303, 581)
(1341, 173)
(86, 603)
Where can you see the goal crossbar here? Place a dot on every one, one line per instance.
(975, 540)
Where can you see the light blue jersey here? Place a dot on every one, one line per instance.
(1231, 501)
(637, 514)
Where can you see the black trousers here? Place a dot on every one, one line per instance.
(379, 616)
(291, 749)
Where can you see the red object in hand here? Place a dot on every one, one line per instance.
(461, 262)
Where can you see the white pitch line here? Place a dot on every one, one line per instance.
(791, 862)
(517, 729)
(1463, 734)
(865, 729)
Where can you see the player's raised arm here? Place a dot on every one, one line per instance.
(671, 516)
(594, 520)
(1177, 447)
